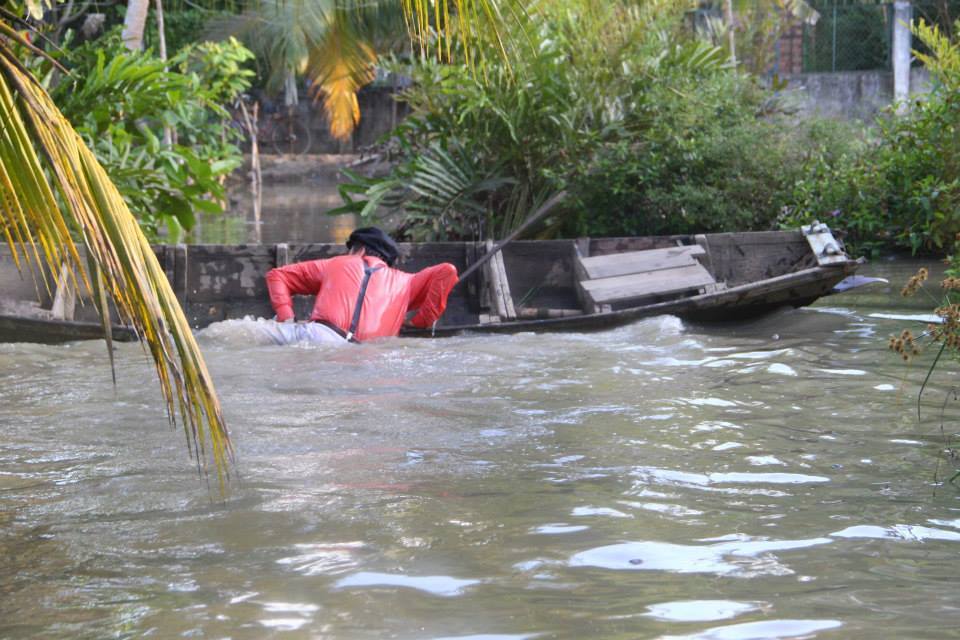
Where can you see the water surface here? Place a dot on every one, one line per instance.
(663, 480)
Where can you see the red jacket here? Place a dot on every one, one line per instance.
(391, 293)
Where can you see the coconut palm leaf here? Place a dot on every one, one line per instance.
(339, 65)
(334, 41)
(55, 198)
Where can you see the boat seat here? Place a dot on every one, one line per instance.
(625, 279)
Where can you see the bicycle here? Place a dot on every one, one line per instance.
(285, 133)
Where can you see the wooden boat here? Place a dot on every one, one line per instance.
(583, 284)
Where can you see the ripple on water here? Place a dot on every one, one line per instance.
(558, 528)
(736, 558)
(492, 636)
(443, 586)
(904, 532)
(320, 559)
(286, 616)
(654, 475)
(765, 630)
(700, 610)
(599, 511)
(781, 369)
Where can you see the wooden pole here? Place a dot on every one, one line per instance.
(162, 50)
(534, 217)
(250, 122)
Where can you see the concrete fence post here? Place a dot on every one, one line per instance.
(902, 14)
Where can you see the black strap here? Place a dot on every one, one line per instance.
(367, 272)
(329, 325)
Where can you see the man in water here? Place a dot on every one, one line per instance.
(360, 296)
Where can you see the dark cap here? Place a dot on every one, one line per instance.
(376, 242)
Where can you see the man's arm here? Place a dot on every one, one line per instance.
(303, 278)
(428, 293)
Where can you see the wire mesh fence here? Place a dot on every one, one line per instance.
(837, 35)
(848, 36)
(853, 35)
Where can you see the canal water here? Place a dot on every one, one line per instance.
(296, 195)
(767, 479)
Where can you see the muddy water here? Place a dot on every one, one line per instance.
(760, 480)
(296, 195)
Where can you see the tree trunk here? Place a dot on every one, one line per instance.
(135, 23)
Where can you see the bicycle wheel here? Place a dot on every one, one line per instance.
(290, 137)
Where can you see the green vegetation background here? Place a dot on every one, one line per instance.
(628, 106)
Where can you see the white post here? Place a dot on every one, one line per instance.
(731, 31)
(902, 14)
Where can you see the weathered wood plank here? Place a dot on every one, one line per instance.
(601, 246)
(175, 264)
(541, 313)
(501, 299)
(541, 272)
(65, 299)
(21, 329)
(641, 285)
(738, 258)
(229, 273)
(579, 275)
(621, 264)
(14, 283)
(505, 286)
(825, 247)
(282, 249)
(583, 247)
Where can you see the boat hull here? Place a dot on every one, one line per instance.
(757, 272)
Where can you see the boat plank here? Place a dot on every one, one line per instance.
(621, 264)
(651, 283)
(502, 300)
(65, 299)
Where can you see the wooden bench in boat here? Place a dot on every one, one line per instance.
(621, 279)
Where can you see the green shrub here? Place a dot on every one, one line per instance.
(901, 190)
(711, 159)
(120, 101)
(645, 127)
(482, 148)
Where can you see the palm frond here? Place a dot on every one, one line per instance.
(439, 25)
(52, 189)
(339, 65)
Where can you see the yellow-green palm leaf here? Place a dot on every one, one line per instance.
(340, 65)
(54, 195)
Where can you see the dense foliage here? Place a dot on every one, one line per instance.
(647, 128)
(903, 189)
(717, 155)
(120, 101)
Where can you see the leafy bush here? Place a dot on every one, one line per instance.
(482, 148)
(712, 158)
(902, 190)
(646, 127)
(120, 101)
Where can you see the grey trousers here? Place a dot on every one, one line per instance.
(299, 332)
